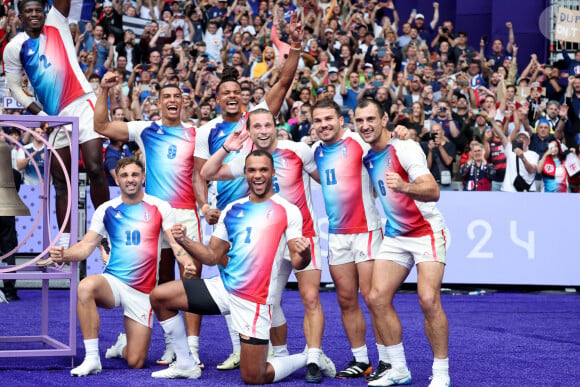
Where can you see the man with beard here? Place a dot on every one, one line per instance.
(254, 232)
(415, 233)
(133, 223)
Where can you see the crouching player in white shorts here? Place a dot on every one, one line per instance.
(133, 223)
(253, 232)
(415, 233)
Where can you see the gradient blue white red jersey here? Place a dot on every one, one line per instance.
(168, 155)
(405, 216)
(50, 63)
(134, 233)
(293, 162)
(346, 187)
(258, 234)
(210, 138)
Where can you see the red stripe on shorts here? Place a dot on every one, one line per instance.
(369, 245)
(433, 247)
(256, 315)
(313, 252)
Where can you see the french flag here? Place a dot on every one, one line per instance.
(80, 10)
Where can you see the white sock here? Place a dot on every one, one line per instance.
(396, 355)
(234, 336)
(441, 366)
(92, 348)
(64, 240)
(383, 354)
(313, 355)
(284, 366)
(168, 343)
(174, 327)
(361, 354)
(280, 350)
(193, 342)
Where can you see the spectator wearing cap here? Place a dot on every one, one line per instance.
(426, 31)
(112, 19)
(540, 140)
(518, 157)
(461, 51)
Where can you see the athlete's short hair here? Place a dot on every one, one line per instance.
(22, 3)
(122, 163)
(327, 104)
(260, 153)
(259, 111)
(229, 74)
(367, 101)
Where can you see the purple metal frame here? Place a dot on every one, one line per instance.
(52, 346)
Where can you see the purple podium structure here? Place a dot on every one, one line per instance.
(49, 346)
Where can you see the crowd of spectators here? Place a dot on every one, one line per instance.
(481, 116)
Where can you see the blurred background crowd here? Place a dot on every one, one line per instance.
(475, 103)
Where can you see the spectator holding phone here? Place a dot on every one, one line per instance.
(521, 162)
(440, 154)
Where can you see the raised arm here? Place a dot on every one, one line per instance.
(511, 37)
(275, 96)
(435, 20)
(117, 130)
(62, 6)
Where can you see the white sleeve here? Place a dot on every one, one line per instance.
(237, 166)
(97, 224)
(220, 231)
(307, 155)
(202, 141)
(14, 83)
(412, 158)
(167, 213)
(135, 128)
(294, 228)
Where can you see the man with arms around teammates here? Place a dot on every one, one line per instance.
(415, 233)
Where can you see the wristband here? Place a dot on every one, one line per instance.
(226, 149)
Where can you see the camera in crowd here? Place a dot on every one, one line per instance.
(517, 144)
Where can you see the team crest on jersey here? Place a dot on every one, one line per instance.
(389, 163)
(268, 214)
(344, 151)
(118, 215)
(285, 163)
(147, 216)
(187, 136)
